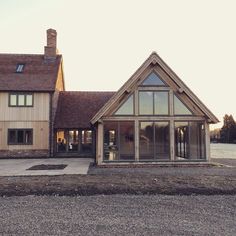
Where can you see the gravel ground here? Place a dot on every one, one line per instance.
(118, 215)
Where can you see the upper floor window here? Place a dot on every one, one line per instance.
(20, 136)
(20, 68)
(180, 108)
(153, 103)
(153, 80)
(127, 108)
(20, 100)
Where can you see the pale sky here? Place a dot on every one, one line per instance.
(103, 42)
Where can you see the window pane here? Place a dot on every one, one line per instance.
(146, 103)
(21, 99)
(196, 140)
(126, 140)
(180, 108)
(28, 137)
(29, 100)
(127, 108)
(162, 140)
(13, 100)
(181, 140)
(20, 136)
(153, 79)
(73, 140)
(12, 136)
(146, 140)
(61, 141)
(110, 141)
(86, 141)
(161, 102)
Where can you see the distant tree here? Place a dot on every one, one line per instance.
(228, 131)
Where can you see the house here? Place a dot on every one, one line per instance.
(153, 117)
(29, 90)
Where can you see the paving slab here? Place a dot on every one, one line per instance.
(18, 167)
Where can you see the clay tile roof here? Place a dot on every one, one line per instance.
(38, 74)
(76, 109)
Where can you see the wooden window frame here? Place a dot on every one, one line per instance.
(17, 99)
(16, 132)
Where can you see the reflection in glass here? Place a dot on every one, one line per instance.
(162, 140)
(110, 141)
(127, 108)
(146, 103)
(189, 140)
(86, 144)
(161, 101)
(146, 140)
(126, 145)
(180, 108)
(119, 140)
(153, 79)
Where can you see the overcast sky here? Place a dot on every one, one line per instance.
(103, 42)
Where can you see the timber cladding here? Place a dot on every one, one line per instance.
(40, 134)
(38, 112)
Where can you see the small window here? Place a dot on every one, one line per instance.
(153, 80)
(20, 68)
(20, 100)
(180, 108)
(20, 136)
(127, 108)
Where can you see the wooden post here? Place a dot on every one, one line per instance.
(136, 143)
(207, 142)
(172, 140)
(99, 155)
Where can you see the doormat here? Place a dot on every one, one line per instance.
(48, 167)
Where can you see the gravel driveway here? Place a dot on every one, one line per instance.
(118, 215)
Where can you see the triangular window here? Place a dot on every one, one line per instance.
(127, 108)
(180, 108)
(153, 79)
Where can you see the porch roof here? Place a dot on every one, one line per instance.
(76, 109)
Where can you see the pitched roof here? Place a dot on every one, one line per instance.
(154, 59)
(38, 74)
(76, 109)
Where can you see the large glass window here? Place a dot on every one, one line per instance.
(61, 141)
(127, 108)
(73, 140)
(180, 108)
(20, 136)
(154, 140)
(153, 80)
(161, 101)
(153, 103)
(86, 144)
(118, 140)
(146, 103)
(189, 140)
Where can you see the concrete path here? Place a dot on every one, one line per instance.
(18, 167)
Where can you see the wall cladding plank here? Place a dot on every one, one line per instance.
(39, 112)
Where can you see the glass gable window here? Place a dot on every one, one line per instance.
(189, 140)
(161, 101)
(153, 103)
(153, 79)
(127, 108)
(180, 108)
(146, 103)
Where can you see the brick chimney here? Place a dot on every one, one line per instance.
(50, 51)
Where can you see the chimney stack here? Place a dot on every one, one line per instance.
(50, 51)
